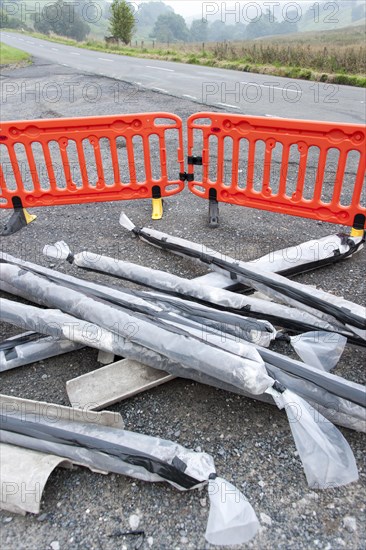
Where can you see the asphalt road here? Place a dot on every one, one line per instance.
(248, 93)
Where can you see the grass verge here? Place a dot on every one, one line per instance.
(12, 56)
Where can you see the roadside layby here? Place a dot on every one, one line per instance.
(250, 328)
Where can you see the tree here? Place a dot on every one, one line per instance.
(170, 28)
(122, 22)
(148, 13)
(198, 30)
(60, 20)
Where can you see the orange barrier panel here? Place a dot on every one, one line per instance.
(294, 167)
(94, 159)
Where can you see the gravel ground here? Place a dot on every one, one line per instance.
(251, 442)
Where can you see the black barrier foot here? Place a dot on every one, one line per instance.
(19, 219)
(213, 213)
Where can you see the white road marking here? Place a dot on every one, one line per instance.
(160, 68)
(105, 59)
(278, 88)
(273, 87)
(74, 53)
(189, 96)
(228, 105)
(274, 116)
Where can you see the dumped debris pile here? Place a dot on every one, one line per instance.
(195, 329)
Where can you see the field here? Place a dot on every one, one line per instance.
(10, 56)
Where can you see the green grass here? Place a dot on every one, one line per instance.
(12, 56)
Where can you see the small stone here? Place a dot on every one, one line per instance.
(150, 541)
(183, 540)
(42, 517)
(261, 483)
(339, 542)
(8, 519)
(134, 521)
(59, 504)
(198, 449)
(44, 376)
(177, 433)
(55, 545)
(203, 502)
(265, 519)
(350, 524)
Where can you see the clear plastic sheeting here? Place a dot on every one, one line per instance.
(149, 454)
(316, 251)
(170, 283)
(232, 519)
(325, 454)
(315, 301)
(258, 331)
(319, 349)
(108, 449)
(246, 372)
(18, 313)
(25, 353)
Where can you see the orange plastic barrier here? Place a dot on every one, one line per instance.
(294, 167)
(95, 159)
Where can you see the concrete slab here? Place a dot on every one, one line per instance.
(23, 476)
(113, 383)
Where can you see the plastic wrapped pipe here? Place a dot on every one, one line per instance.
(23, 350)
(310, 255)
(253, 378)
(163, 281)
(340, 387)
(315, 301)
(259, 331)
(56, 324)
(288, 261)
(142, 457)
(337, 448)
(248, 372)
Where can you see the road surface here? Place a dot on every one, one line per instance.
(233, 91)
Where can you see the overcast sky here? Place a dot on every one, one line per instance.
(189, 8)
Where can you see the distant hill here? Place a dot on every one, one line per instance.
(352, 35)
(333, 15)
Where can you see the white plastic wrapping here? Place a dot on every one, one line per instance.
(249, 276)
(232, 519)
(325, 454)
(310, 252)
(164, 281)
(248, 373)
(18, 312)
(31, 352)
(319, 349)
(97, 448)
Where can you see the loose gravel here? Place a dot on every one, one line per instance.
(250, 441)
